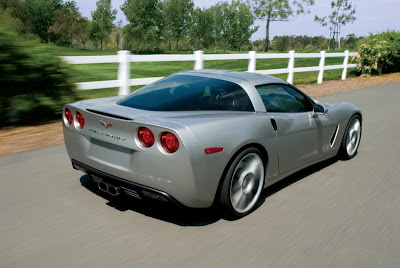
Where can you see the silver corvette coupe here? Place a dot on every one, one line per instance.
(206, 137)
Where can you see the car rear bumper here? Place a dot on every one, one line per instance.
(124, 186)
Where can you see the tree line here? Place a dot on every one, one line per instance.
(168, 25)
(285, 43)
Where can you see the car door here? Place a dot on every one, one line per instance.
(299, 133)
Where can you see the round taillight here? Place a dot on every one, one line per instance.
(68, 116)
(146, 137)
(80, 119)
(169, 142)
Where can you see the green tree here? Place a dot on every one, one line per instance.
(8, 20)
(176, 14)
(350, 42)
(16, 9)
(103, 18)
(215, 36)
(319, 42)
(343, 13)
(281, 43)
(94, 32)
(69, 21)
(227, 16)
(142, 16)
(82, 36)
(243, 19)
(301, 42)
(277, 10)
(117, 31)
(41, 16)
(258, 45)
(132, 37)
(202, 24)
(235, 24)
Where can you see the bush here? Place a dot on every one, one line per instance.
(34, 85)
(379, 53)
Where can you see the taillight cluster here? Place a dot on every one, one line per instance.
(146, 137)
(68, 116)
(169, 142)
(69, 119)
(80, 120)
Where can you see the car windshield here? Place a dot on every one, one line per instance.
(189, 93)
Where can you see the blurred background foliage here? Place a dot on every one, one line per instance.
(34, 84)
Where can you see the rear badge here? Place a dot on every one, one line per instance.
(104, 124)
(107, 135)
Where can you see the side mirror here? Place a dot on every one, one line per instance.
(319, 109)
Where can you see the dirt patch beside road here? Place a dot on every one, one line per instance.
(338, 86)
(23, 139)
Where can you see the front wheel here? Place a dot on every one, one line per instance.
(351, 138)
(242, 184)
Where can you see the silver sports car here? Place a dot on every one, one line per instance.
(199, 138)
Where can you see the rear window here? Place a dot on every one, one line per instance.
(189, 93)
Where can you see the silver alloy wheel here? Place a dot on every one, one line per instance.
(247, 182)
(353, 137)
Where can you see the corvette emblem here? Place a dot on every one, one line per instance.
(104, 124)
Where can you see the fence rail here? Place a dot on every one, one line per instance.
(124, 58)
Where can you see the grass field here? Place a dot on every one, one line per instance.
(108, 71)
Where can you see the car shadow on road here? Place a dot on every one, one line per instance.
(295, 177)
(155, 209)
(186, 216)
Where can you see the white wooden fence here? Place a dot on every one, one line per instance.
(124, 59)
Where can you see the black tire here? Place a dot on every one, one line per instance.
(351, 138)
(246, 174)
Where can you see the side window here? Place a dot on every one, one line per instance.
(283, 99)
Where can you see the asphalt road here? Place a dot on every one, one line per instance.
(338, 213)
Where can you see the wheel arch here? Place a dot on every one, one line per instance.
(359, 114)
(264, 157)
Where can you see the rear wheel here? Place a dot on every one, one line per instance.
(351, 138)
(242, 184)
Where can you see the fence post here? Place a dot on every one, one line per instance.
(290, 67)
(252, 62)
(198, 57)
(124, 72)
(321, 68)
(345, 63)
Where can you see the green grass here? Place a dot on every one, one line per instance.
(108, 71)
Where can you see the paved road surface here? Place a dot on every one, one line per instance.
(339, 213)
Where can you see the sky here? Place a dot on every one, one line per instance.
(372, 17)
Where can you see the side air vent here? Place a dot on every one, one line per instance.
(109, 115)
(333, 139)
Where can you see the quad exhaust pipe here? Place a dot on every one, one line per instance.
(109, 188)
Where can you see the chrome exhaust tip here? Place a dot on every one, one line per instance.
(103, 186)
(113, 190)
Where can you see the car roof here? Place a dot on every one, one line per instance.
(254, 78)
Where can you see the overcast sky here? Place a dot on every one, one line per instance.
(372, 17)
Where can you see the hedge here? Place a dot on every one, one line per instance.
(34, 84)
(379, 53)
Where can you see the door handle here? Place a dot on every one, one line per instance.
(273, 123)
